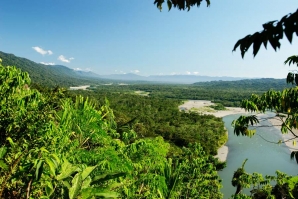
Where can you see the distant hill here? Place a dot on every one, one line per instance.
(124, 77)
(262, 84)
(51, 75)
(173, 79)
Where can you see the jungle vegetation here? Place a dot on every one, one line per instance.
(54, 146)
(147, 112)
(59, 145)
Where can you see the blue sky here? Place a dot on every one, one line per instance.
(116, 36)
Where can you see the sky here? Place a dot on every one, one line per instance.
(133, 36)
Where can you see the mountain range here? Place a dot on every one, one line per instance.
(59, 75)
(173, 79)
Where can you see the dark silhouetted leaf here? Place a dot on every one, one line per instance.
(257, 44)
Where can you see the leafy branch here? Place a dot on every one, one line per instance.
(180, 4)
(272, 32)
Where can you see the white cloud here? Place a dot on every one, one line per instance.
(42, 51)
(191, 73)
(135, 71)
(81, 69)
(64, 59)
(120, 72)
(50, 63)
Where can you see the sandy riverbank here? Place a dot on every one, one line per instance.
(287, 138)
(79, 87)
(202, 106)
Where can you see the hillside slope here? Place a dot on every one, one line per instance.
(49, 75)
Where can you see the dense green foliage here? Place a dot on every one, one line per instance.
(56, 147)
(154, 116)
(279, 186)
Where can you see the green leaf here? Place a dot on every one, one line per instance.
(67, 169)
(10, 141)
(43, 149)
(3, 151)
(49, 188)
(292, 183)
(86, 172)
(106, 177)
(56, 158)
(39, 170)
(66, 184)
(51, 165)
(86, 182)
(76, 186)
(3, 165)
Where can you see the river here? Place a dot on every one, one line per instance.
(263, 157)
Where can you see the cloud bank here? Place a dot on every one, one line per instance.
(64, 59)
(185, 73)
(42, 51)
(51, 63)
(135, 71)
(81, 69)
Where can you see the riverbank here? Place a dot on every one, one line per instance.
(202, 106)
(287, 138)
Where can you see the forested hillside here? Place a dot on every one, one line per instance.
(252, 85)
(48, 75)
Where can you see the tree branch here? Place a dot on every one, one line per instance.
(273, 32)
